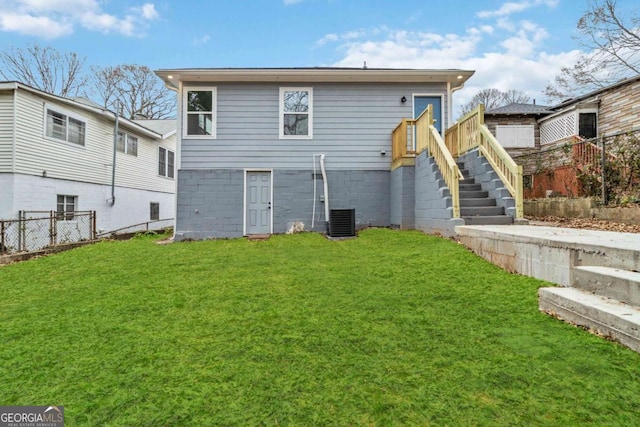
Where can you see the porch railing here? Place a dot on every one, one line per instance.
(471, 132)
(468, 133)
(402, 143)
(428, 138)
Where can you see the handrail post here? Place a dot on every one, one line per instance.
(520, 194)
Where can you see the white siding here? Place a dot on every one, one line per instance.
(141, 171)
(36, 153)
(6, 131)
(91, 163)
(352, 124)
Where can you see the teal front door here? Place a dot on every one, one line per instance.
(420, 104)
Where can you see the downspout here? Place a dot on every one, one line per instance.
(178, 157)
(326, 190)
(113, 166)
(451, 90)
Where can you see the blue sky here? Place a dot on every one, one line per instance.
(518, 44)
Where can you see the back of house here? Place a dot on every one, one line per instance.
(263, 151)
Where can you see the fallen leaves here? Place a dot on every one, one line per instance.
(585, 223)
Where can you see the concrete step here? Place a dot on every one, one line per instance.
(481, 211)
(464, 203)
(622, 285)
(473, 194)
(603, 315)
(487, 220)
(470, 187)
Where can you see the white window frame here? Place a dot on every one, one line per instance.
(66, 215)
(309, 112)
(67, 115)
(127, 144)
(165, 159)
(186, 113)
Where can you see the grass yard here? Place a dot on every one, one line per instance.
(391, 328)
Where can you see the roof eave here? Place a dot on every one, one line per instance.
(296, 75)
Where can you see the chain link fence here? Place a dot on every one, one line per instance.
(36, 230)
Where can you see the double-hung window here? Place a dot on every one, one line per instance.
(200, 112)
(127, 144)
(296, 112)
(154, 211)
(66, 206)
(62, 126)
(166, 162)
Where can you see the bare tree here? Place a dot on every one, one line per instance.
(610, 38)
(513, 96)
(494, 98)
(134, 90)
(44, 68)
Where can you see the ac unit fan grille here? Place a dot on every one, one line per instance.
(342, 222)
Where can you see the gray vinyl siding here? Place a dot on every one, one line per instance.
(352, 123)
(6, 131)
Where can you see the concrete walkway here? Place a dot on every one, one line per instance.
(568, 236)
(599, 272)
(550, 253)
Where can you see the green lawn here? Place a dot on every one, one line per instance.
(391, 328)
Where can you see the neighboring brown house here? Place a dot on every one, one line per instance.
(516, 126)
(610, 110)
(551, 143)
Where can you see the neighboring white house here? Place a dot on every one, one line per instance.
(56, 154)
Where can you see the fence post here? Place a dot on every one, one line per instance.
(605, 196)
(2, 246)
(52, 240)
(21, 226)
(94, 231)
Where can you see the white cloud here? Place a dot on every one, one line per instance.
(509, 8)
(149, 11)
(34, 26)
(56, 18)
(288, 2)
(199, 41)
(515, 62)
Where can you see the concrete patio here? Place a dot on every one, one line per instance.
(598, 272)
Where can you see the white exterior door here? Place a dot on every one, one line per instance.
(258, 203)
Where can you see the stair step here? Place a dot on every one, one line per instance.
(487, 220)
(470, 187)
(606, 316)
(467, 203)
(481, 211)
(622, 285)
(473, 194)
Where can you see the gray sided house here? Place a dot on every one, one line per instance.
(260, 150)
